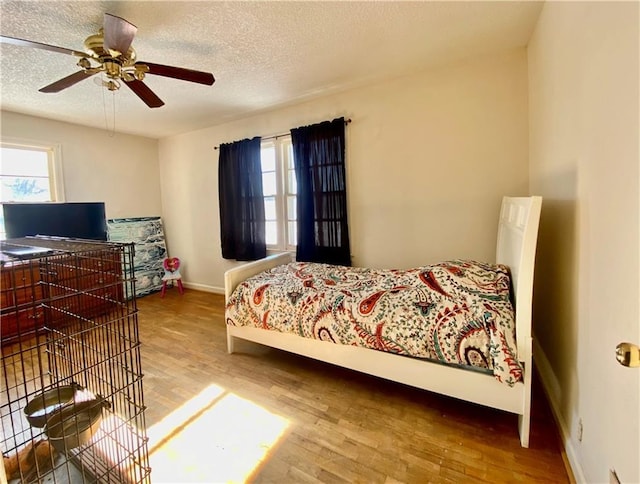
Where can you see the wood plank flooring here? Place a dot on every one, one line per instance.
(339, 425)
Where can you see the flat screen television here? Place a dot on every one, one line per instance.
(81, 220)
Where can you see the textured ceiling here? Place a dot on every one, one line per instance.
(262, 54)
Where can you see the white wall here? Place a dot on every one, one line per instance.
(121, 171)
(583, 79)
(428, 159)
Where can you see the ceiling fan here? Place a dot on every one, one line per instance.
(110, 52)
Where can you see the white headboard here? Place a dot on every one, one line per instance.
(516, 248)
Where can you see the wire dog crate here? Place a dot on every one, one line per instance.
(71, 401)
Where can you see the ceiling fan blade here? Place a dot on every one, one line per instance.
(144, 93)
(39, 45)
(179, 73)
(118, 33)
(68, 81)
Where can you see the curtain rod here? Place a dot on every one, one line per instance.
(276, 136)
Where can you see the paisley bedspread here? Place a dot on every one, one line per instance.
(456, 312)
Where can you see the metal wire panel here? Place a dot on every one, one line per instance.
(69, 324)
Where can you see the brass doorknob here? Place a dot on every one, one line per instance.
(628, 354)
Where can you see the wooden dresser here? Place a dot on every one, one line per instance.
(20, 299)
(58, 289)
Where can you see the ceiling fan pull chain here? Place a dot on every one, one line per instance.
(113, 104)
(111, 132)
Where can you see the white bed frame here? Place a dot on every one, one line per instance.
(516, 247)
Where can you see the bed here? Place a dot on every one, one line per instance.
(515, 249)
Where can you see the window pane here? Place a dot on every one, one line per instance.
(270, 208)
(14, 188)
(291, 180)
(279, 190)
(291, 164)
(18, 162)
(3, 234)
(293, 233)
(269, 183)
(271, 233)
(268, 158)
(291, 208)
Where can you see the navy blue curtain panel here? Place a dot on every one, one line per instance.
(323, 229)
(242, 224)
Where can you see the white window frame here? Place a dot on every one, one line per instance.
(53, 150)
(282, 146)
(54, 159)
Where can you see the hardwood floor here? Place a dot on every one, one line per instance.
(315, 422)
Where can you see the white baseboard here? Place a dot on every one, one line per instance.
(553, 392)
(203, 287)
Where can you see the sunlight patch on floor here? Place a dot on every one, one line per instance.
(116, 442)
(214, 437)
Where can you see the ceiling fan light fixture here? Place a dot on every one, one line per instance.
(112, 69)
(84, 63)
(140, 72)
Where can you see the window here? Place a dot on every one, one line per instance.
(28, 173)
(279, 187)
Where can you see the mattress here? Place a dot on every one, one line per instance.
(457, 312)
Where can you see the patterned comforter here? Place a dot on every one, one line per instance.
(456, 312)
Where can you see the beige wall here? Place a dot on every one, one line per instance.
(428, 159)
(583, 80)
(122, 170)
